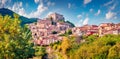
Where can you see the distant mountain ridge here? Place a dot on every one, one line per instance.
(25, 20)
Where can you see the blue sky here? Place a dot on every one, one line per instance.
(79, 12)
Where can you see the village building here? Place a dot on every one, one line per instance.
(47, 31)
(56, 17)
(109, 28)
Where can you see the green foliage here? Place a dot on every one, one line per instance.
(90, 38)
(56, 45)
(94, 47)
(114, 52)
(65, 45)
(72, 25)
(61, 21)
(67, 33)
(24, 20)
(39, 51)
(15, 41)
(106, 47)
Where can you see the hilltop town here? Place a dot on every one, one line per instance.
(49, 30)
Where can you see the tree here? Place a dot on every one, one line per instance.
(65, 45)
(69, 32)
(72, 25)
(105, 47)
(91, 38)
(39, 51)
(15, 41)
(114, 52)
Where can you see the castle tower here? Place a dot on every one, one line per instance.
(56, 17)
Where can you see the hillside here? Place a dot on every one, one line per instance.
(25, 20)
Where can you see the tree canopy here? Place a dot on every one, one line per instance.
(15, 41)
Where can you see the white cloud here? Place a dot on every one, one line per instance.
(22, 12)
(49, 14)
(20, 4)
(113, 6)
(108, 3)
(79, 23)
(98, 12)
(85, 22)
(69, 5)
(91, 10)
(110, 15)
(115, 17)
(87, 1)
(81, 20)
(36, 1)
(17, 7)
(50, 3)
(79, 16)
(3, 2)
(40, 9)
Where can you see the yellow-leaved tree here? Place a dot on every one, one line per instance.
(65, 45)
(14, 40)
